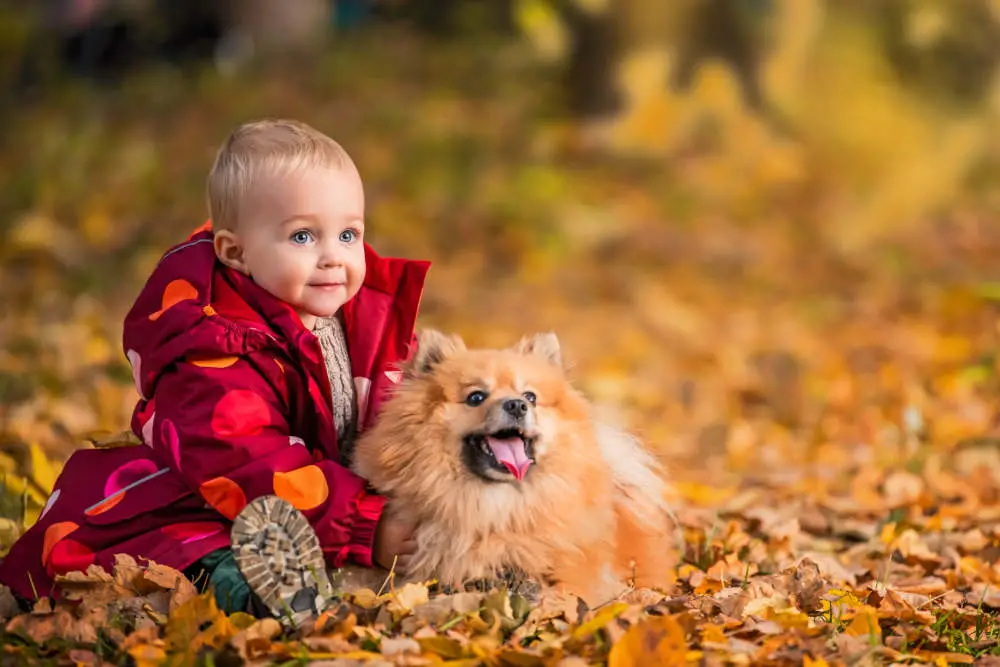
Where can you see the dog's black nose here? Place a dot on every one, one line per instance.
(515, 407)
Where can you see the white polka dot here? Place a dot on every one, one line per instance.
(363, 387)
(394, 376)
(136, 362)
(49, 503)
(295, 440)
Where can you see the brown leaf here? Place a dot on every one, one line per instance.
(43, 626)
(987, 594)
(8, 605)
(902, 488)
(328, 644)
(398, 646)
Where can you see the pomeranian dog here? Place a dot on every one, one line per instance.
(501, 465)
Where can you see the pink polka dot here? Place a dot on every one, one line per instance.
(239, 413)
(130, 472)
(194, 531)
(170, 440)
(70, 556)
(147, 430)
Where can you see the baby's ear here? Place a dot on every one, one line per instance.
(433, 347)
(545, 345)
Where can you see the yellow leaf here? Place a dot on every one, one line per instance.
(811, 662)
(365, 598)
(446, 647)
(363, 656)
(600, 619)
(543, 27)
(17, 486)
(865, 623)
(409, 596)
(656, 641)
(197, 623)
(43, 472)
(7, 463)
(146, 655)
(713, 634)
(706, 495)
(9, 532)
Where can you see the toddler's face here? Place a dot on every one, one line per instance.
(301, 238)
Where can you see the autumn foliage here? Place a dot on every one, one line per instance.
(797, 312)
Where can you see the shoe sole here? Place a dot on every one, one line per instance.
(278, 553)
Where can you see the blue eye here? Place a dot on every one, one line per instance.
(530, 397)
(476, 398)
(301, 237)
(348, 236)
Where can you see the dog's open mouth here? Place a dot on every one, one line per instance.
(508, 450)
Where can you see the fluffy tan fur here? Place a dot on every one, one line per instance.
(590, 514)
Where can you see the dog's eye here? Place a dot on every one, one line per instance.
(475, 398)
(530, 397)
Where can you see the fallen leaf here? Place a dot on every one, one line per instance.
(656, 641)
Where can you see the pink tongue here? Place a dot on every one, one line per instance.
(510, 452)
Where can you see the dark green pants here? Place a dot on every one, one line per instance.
(219, 571)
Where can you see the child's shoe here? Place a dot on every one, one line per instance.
(279, 555)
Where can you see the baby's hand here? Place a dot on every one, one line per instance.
(394, 539)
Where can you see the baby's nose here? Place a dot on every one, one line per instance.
(331, 256)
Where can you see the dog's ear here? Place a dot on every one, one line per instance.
(433, 347)
(544, 345)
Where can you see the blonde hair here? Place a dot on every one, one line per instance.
(264, 147)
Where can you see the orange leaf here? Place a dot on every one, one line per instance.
(656, 641)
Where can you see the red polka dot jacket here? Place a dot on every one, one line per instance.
(234, 404)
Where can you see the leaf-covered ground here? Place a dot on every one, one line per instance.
(802, 323)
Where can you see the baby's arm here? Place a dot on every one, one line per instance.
(224, 431)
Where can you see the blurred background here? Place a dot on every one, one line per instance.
(764, 230)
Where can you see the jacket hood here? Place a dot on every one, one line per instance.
(193, 306)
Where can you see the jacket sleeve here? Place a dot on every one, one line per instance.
(223, 429)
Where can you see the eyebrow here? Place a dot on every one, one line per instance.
(314, 219)
(300, 217)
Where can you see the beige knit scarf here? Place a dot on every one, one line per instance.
(333, 343)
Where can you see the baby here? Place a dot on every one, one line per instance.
(259, 347)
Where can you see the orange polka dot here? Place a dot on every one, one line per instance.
(305, 488)
(240, 412)
(281, 367)
(71, 556)
(175, 292)
(214, 362)
(53, 534)
(106, 504)
(225, 496)
(208, 310)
